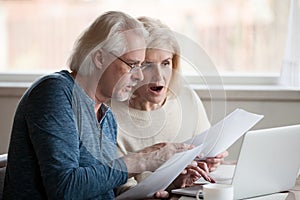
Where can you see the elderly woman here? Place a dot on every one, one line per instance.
(161, 108)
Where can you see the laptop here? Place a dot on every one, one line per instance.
(268, 163)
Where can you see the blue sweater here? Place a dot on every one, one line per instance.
(58, 149)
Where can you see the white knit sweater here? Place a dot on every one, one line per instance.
(180, 118)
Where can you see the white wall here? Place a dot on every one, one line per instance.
(7, 107)
(280, 107)
(9, 98)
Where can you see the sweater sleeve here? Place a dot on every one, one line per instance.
(55, 139)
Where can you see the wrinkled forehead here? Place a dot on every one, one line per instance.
(134, 41)
(159, 51)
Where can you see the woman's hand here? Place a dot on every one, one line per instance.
(191, 174)
(214, 162)
(188, 176)
(162, 194)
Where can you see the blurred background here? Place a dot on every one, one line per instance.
(240, 36)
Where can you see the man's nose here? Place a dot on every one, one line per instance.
(137, 75)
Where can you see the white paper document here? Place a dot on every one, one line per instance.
(162, 177)
(223, 134)
(208, 144)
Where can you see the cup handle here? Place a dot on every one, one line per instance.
(198, 194)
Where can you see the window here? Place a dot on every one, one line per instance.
(239, 36)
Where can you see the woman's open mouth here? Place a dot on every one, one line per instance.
(156, 88)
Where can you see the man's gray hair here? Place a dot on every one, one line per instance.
(106, 32)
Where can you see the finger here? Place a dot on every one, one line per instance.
(183, 146)
(191, 178)
(207, 177)
(214, 160)
(194, 172)
(184, 171)
(212, 169)
(212, 180)
(152, 148)
(222, 155)
(204, 173)
(200, 156)
(198, 173)
(161, 194)
(159, 145)
(193, 164)
(203, 166)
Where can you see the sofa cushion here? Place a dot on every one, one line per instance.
(2, 175)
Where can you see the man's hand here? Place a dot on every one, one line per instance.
(152, 157)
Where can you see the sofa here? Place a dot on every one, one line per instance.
(3, 161)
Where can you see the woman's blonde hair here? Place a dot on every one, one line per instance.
(163, 38)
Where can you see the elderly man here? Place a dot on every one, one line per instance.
(63, 141)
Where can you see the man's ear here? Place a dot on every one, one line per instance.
(98, 59)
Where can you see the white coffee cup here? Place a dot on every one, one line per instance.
(216, 191)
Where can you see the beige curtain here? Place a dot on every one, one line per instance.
(290, 71)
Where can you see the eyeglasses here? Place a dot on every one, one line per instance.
(133, 68)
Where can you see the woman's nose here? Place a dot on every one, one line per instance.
(157, 74)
